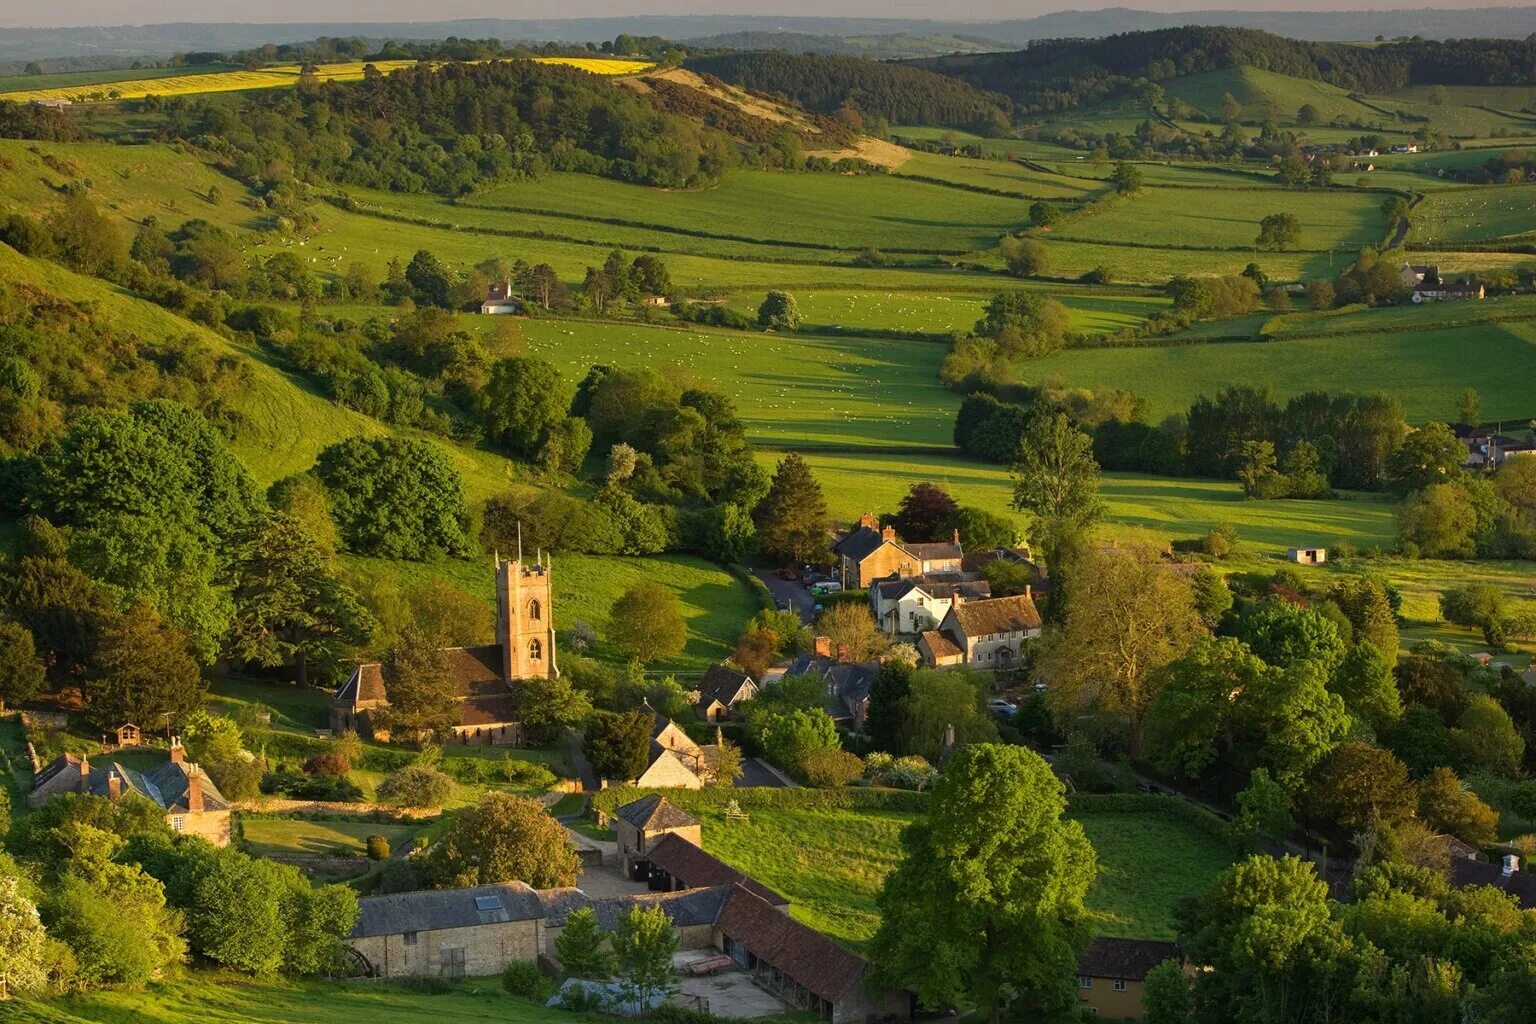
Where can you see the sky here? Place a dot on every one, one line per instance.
(140, 12)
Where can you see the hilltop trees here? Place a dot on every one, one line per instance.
(986, 906)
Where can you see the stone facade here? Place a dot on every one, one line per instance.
(472, 951)
(525, 622)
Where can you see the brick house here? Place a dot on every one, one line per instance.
(869, 552)
(192, 804)
(1112, 974)
(481, 676)
(983, 634)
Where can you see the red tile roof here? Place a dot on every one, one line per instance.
(812, 960)
(695, 869)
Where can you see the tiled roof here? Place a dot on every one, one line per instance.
(1519, 884)
(63, 763)
(435, 909)
(1127, 959)
(996, 615)
(474, 670)
(696, 869)
(940, 645)
(490, 709)
(655, 812)
(366, 683)
(171, 779)
(810, 959)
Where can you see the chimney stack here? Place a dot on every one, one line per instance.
(1511, 864)
(1029, 591)
(178, 752)
(85, 774)
(823, 647)
(957, 536)
(949, 736)
(114, 784)
(868, 521)
(194, 789)
(888, 533)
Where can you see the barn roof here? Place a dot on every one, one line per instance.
(696, 869)
(1126, 959)
(655, 811)
(439, 909)
(809, 958)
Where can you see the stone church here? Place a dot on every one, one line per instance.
(482, 676)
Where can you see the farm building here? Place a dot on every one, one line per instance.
(1112, 974)
(447, 932)
(481, 676)
(1307, 556)
(191, 802)
(643, 823)
(1454, 291)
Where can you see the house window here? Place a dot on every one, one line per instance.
(535, 650)
(178, 823)
(1083, 981)
(409, 938)
(1119, 984)
(534, 610)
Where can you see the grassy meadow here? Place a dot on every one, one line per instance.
(296, 837)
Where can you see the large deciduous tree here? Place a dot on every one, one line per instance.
(422, 700)
(1127, 618)
(646, 622)
(925, 513)
(523, 401)
(503, 838)
(394, 497)
(142, 672)
(987, 903)
(1056, 481)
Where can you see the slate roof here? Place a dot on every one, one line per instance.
(491, 709)
(1127, 959)
(1519, 884)
(171, 781)
(499, 291)
(439, 909)
(937, 585)
(366, 683)
(996, 615)
(165, 786)
(722, 683)
(940, 552)
(975, 561)
(811, 959)
(654, 812)
(852, 682)
(695, 869)
(474, 670)
(859, 544)
(63, 763)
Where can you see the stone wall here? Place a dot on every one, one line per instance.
(488, 948)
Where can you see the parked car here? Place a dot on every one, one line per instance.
(999, 706)
(826, 587)
(788, 575)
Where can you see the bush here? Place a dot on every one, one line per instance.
(378, 848)
(328, 764)
(523, 978)
(831, 769)
(398, 876)
(416, 785)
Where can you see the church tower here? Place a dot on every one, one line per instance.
(525, 625)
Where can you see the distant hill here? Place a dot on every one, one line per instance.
(875, 47)
(112, 45)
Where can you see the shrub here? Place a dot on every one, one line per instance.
(333, 763)
(398, 876)
(831, 769)
(416, 785)
(523, 978)
(378, 848)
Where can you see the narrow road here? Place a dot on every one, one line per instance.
(792, 592)
(580, 763)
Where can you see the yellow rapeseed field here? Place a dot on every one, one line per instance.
(275, 77)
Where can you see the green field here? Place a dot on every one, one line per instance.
(1228, 218)
(266, 836)
(1427, 369)
(1267, 96)
(1480, 213)
(206, 997)
(831, 864)
(1006, 175)
(883, 211)
(826, 311)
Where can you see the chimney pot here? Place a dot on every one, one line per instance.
(957, 536)
(178, 752)
(888, 533)
(1029, 591)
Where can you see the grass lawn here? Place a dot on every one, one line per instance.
(1474, 214)
(265, 836)
(205, 998)
(1147, 864)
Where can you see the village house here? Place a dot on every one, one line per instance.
(499, 300)
(450, 933)
(984, 634)
(676, 760)
(721, 690)
(1488, 450)
(1415, 274)
(1112, 974)
(482, 676)
(870, 552)
(192, 804)
(847, 684)
(1453, 291)
(921, 602)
